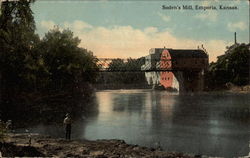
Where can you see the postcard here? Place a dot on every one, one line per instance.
(125, 78)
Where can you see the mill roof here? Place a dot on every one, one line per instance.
(187, 53)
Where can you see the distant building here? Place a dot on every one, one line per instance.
(176, 69)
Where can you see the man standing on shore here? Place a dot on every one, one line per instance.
(67, 121)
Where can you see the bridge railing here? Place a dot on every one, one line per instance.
(132, 65)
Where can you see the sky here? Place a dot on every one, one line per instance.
(120, 28)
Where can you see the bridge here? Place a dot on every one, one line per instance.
(176, 69)
(132, 65)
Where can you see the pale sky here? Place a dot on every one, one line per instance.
(120, 28)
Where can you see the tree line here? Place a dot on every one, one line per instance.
(29, 63)
(231, 67)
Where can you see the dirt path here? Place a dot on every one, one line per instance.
(44, 146)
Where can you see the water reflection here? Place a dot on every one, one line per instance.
(209, 124)
(198, 127)
(186, 123)
(81, 112)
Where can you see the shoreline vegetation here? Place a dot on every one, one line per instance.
(228, 87)
(35, 145)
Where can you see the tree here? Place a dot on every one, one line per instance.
(116, 65)
(31, 69)
(18, 62)
(67, 64)
(232, 67)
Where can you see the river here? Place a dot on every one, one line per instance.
(213, 124)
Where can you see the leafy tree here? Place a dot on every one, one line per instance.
(17, 40)
(67, 64)
(232, 67)
(29, 64)
(134, 74)
(116, 65)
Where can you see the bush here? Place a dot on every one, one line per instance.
(2, 131)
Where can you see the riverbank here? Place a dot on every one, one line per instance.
(35, 145)
(238, 89)
(230, 87)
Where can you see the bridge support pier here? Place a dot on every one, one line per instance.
(190, 81)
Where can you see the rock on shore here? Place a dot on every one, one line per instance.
(36, 145)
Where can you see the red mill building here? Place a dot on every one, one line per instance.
(176, 69)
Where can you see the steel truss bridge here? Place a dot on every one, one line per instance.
(135, 65)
